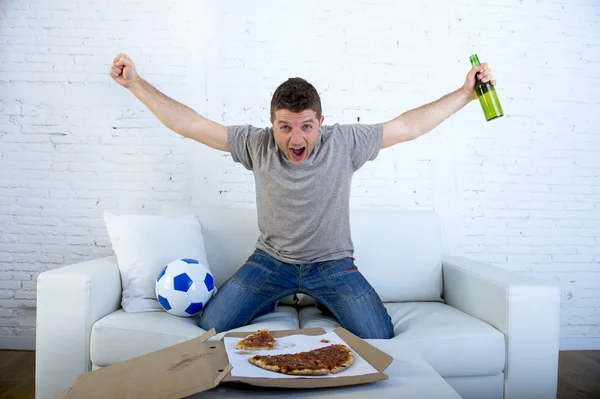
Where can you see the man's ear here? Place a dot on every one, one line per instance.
(322, 119)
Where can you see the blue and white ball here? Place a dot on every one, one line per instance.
(184, 287)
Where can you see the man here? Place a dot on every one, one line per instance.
(303, 172)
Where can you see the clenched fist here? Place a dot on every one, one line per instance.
(484, 73)
(122, 70)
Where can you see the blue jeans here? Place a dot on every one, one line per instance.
(262, 281)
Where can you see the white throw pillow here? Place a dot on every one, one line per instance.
(143, 245)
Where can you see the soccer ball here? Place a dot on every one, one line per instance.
(184, 287)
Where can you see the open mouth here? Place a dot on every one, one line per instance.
(297, 153)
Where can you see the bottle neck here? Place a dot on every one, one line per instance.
(474, 60)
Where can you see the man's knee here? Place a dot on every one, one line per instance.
(368, 317)
(374, 331)
(216, 319)
(242, 297)
(234, 306)
(220, 312)
(385, 332)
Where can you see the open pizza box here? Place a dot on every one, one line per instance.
(182, 370)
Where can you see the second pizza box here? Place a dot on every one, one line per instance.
(182, 370)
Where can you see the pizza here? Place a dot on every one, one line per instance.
(257, 340)
(322, 361)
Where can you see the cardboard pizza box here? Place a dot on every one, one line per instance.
(182, 370)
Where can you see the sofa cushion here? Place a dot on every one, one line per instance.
(399, 253)
(454, 343)
(120, 336)
(144, 245)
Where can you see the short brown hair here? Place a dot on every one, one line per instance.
(296, 95)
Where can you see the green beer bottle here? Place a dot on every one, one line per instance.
(486, 93)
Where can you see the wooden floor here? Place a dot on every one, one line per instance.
(17, 374)
(578, 375)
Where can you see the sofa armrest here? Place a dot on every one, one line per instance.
(524, 309)
(70, 300)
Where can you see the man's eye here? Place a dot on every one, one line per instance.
(308, 126)
(285, 127)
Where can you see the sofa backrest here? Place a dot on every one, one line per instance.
(399, 252)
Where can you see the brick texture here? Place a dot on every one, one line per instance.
(520, 192)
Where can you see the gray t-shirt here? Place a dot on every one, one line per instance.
(303, 210)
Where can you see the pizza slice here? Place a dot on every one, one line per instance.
(322, 361)
(260, 339)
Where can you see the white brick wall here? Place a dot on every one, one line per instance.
(520, 192)
(73, 143)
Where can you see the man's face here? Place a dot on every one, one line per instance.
(296, 133)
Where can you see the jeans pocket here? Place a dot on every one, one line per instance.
(252, 275)
(347, 280)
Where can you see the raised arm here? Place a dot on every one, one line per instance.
(174, 115)
(416, 122)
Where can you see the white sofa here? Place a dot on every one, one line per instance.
(491, 333)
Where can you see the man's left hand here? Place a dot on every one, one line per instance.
(485, 74)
